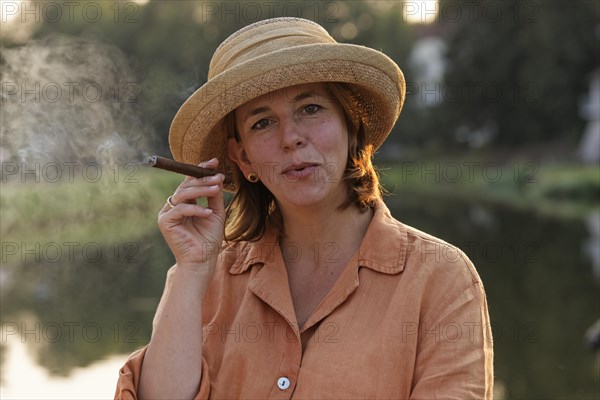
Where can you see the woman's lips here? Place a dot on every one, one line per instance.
(299, 171)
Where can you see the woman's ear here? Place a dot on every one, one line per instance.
(237, 154)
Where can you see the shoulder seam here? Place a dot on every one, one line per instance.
(453, 298)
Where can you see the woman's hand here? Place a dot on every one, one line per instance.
(194, 233)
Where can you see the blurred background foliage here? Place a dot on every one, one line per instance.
(539, 57)
(515, 70)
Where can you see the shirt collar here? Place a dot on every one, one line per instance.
(383, 249)
(385, 244)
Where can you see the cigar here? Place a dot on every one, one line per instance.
(182, 168)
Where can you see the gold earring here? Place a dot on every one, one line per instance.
(252, 177)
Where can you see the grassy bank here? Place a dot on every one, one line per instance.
(119, 210)
(557, 190)
(104, 211)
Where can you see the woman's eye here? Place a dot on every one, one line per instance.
(312, 108)
(261, 124)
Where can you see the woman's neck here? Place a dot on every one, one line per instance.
(309, 230)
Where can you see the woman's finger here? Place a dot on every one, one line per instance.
(191, 194)
(217, 202)
(212, 163)
(175, 214)
(191, 182)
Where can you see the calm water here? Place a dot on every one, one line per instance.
(68, 322)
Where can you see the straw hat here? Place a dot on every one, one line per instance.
(276, 53)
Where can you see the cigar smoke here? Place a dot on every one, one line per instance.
(67, 99)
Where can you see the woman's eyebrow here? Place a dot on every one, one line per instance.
(295, 99)
(254, 112)
(302, 96)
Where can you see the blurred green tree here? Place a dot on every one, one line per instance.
(521, 68)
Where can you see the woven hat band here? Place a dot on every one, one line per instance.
(264, 40)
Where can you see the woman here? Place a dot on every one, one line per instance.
(316, 292)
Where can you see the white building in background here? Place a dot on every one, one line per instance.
(428, 65)
(589, 147)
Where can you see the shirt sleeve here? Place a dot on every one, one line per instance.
(455, 353)
(129, 374)
(129, 378)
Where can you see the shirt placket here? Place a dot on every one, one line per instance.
(272, 287)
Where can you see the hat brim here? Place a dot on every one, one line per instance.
(196, 131)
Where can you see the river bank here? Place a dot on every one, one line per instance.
(124, 206)
(564, 190)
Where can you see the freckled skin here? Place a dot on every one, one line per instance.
(296, 140)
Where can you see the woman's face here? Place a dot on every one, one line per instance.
(296, 140)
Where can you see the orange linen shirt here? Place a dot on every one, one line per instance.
(406, 319)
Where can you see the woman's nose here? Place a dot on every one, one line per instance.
(291, 135)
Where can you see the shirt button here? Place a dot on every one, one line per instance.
(283, 383)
